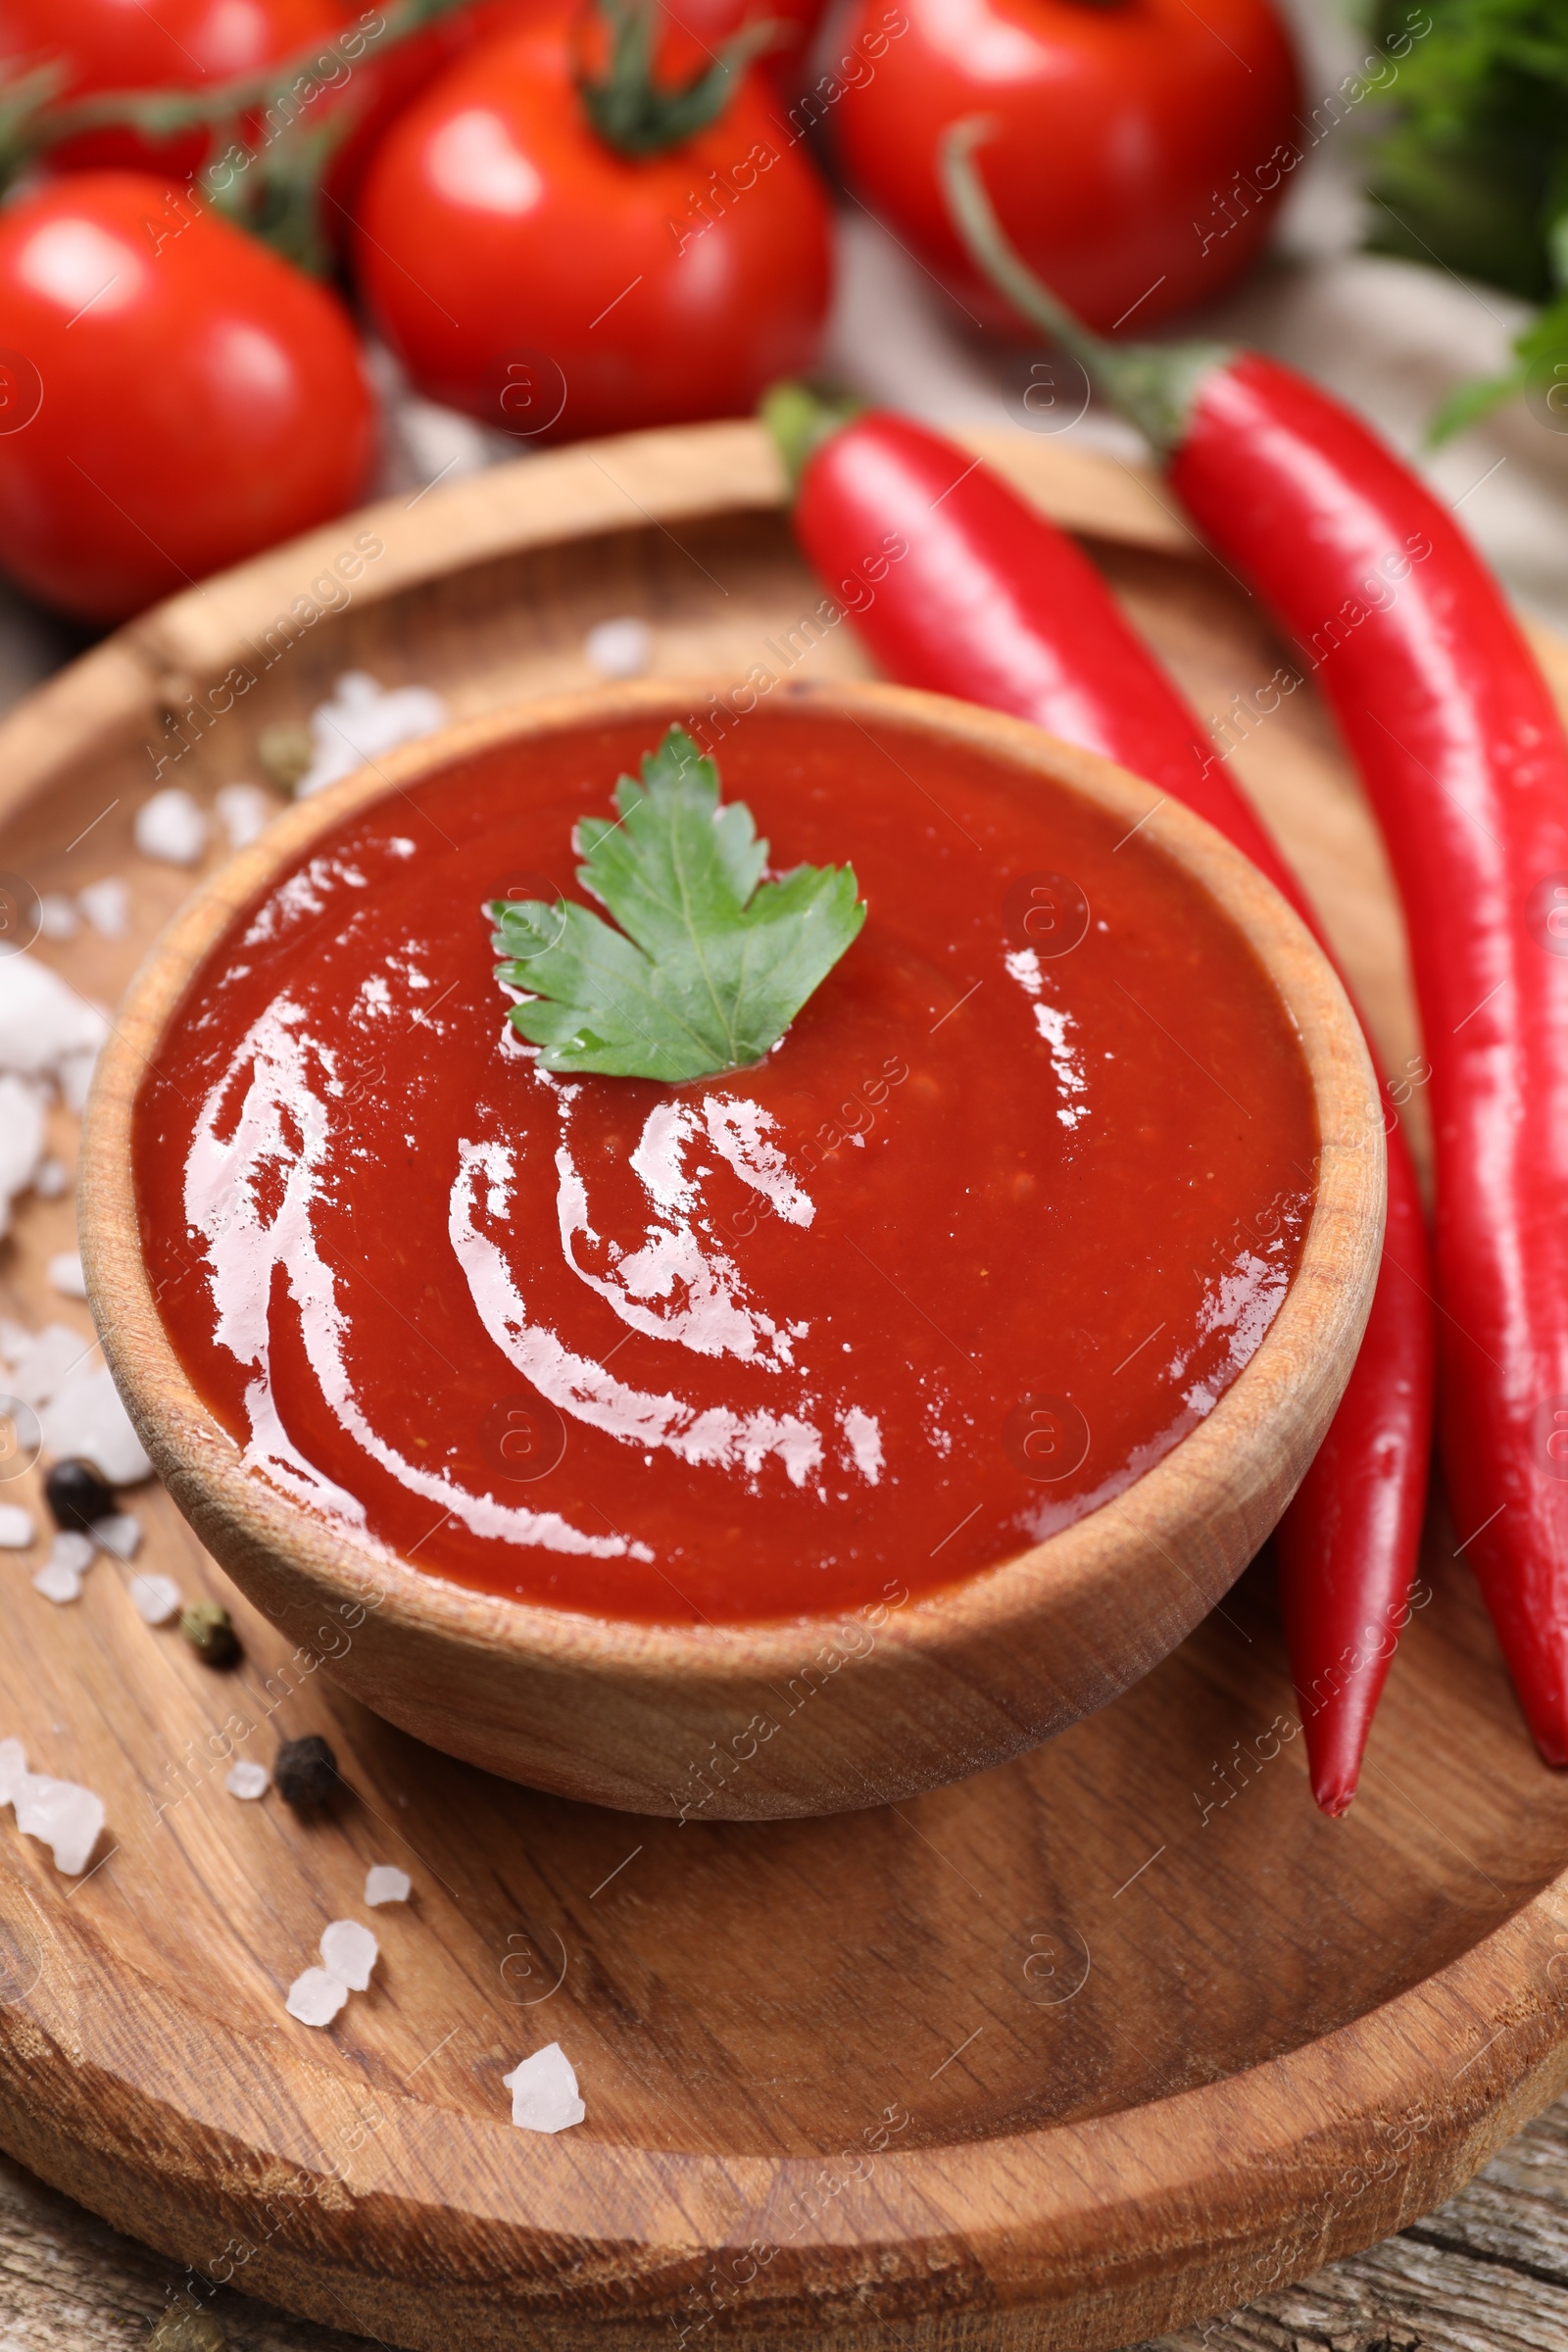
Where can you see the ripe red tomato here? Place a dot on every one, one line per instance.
(156, 44)
(526, 271)
(172, 396)
(1139, 151)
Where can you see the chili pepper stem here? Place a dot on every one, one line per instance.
(1154, 384)
(802, 416)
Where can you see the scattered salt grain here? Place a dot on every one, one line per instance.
(384, 1882)
(442, 444)
(618, 649)
(544, 2091)
(41, 1019)
(118, 1533)
(51, 1179)
(65, 1274)
(42, 1361)
(21, 1140)
(106, 905)
(155, 1597)
(16, 1529)
(171, 827)
(60, 1815)
(349, 1952)
(13, 1768)
(247, 1780)
(85, 1420)
(57, 917)
(74, 1073)
(315, 1997)
(69, 1557)
(244, 811)
(363, 722)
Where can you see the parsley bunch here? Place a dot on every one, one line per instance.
(1473, 170)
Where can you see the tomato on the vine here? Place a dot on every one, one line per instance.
(172, 396)
(1138, 148)
(104, 45)
(528, 271)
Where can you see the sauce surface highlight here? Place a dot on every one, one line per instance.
(1000, 1218)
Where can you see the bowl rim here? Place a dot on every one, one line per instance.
(1325, 1305)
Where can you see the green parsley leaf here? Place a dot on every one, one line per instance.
(711, 963)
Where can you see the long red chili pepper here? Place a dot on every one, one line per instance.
(1462, 752)
(994, 604)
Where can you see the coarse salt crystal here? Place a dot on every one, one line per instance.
(41, 1018)
(443, 445)
(384, 1882)
(60, 1815)
(315, 1997)
(41, 1361)
(247, 1780)
(21, 1140)
(544, 2091)
(74, 1073)
(361, 722)
(118, 1532)
(348, 1952)
(244, 811)
(618, 649)
(172, 827)
(13, 1768)
(86, 1418)
(57, 917)
(65, 1274)
(51, 1178)
(155, 1597)
(106, 906)
(16, 1529)
(69, 1557)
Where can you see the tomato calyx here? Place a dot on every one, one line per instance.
(1154, 384)
(638, 115)
(264, 160)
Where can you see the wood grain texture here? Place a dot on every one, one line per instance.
(936, 1687)
(1488, 2271)
(1115, 2035)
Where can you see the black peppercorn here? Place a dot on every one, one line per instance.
(305, 1773)
(76, 1495)
(210, 1629)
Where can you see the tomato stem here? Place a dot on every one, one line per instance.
(637, 114)
(274, 188)
(1154, 384)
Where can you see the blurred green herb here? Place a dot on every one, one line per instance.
(1472, 172)
(711, 963)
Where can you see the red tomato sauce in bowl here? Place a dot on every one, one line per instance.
(1007, 1209)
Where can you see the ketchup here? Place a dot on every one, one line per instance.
(1003, 1216)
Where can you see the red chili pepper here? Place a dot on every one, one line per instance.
(1460, 747)
(993, 604)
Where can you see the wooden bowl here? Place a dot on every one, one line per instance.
(956, 1681)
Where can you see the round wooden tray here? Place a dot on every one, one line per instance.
(1121, 2034)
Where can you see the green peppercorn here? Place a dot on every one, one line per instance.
(210, 1629)
(185, 2328)
(284, 752)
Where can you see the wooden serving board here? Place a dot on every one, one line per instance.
(1118, 2036)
